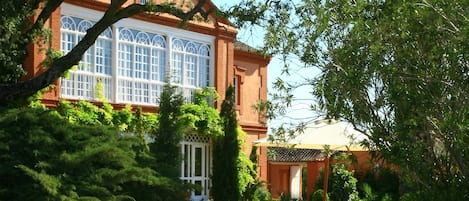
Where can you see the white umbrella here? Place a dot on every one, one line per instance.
(337, 135)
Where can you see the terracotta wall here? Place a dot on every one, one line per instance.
(251, 70)
(279, 179)
(34, 63)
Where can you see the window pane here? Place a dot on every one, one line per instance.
(141, 92)
(191, 71)
(107, 87)
(142, 62)
(103, 61)
(158, 65)
(155, 93)
(187, 161)
(198, 161)
(86, 63)
(176, 71)
(67, 42)
(67, 86)
(204, 69)
(125, 90)
(125, 60)
(84, 84)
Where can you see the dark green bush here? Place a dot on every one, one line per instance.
(318, 195)
(45, 157)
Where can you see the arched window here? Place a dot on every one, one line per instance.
(204, 66)
(178, 61)
(191, 64)
(95, 67)
(141, 64)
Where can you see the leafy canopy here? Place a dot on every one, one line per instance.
(398, 70)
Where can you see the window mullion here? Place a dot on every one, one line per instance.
(94, 76)
(150, 72)
(197, 72)
(169, 57)
(183, 74)
(133, 65)
(75, 80)
(115, 62)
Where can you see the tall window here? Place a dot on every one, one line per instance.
(236, 89)
(190, 66)
(141, 66)
(95, 67)
(135, 71)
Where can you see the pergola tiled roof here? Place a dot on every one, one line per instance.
(283, 154)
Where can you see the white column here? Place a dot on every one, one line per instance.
(295, 182)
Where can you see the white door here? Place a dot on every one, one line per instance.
(198, 172)
(195, 168)
(295, 182)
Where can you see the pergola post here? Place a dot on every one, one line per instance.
(326, 177)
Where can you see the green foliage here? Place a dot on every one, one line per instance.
(343, 184)
(169, 133)
(369, 195)
(318, 195)
(382, 182)
(135, 126)
(201, 117)
(405, 84)
(226, 153)
(250, 187)
(286, 197)
(45, 157)
(14, 20)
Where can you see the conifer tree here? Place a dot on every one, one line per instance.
(225, 152)
(167, 136)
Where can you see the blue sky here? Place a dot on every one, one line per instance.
(300, 108)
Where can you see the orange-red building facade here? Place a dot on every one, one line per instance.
(132, 57)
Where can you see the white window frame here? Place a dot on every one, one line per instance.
(81, 83)
(117, 94)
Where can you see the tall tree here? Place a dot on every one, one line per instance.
(18, 31)
(169, 133)
(225, 153)
(398, 70)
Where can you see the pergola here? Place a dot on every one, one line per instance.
(325, 135)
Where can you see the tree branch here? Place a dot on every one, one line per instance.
(46, 12)
(24, 89)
